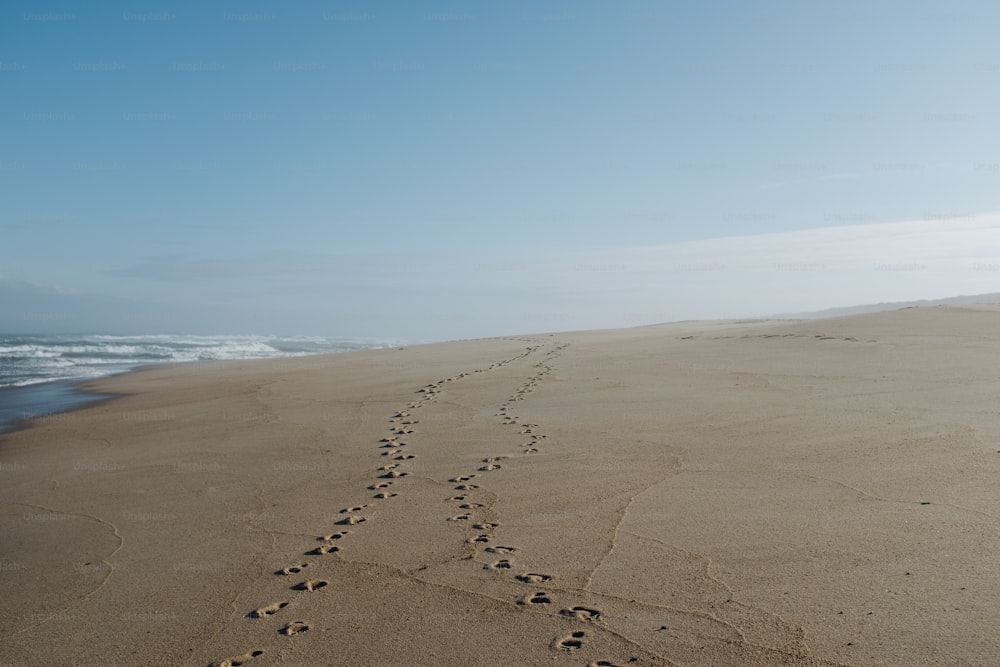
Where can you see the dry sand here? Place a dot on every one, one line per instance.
(758, 493)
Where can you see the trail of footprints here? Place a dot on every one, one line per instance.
(499, 559)
(393, 448)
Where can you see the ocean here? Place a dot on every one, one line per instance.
(39, 374)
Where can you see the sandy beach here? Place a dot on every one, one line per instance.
(702, 493)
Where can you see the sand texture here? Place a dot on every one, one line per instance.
(720, 493)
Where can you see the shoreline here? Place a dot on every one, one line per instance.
(46, 401)
(774, 493)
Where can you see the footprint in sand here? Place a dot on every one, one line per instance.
(390, 452)
(571, 643)
(333, 536)
(601, 663)
(394, 474)
(485, 526)
(323, 550)
(461, 478)
(238, 660)
(466, 487)
(490, 467)
(405, 457)
(379, 486)
(531, 450)
(501, 550)
(534, 578)
(295, 627)
(351, 521)
(502, 564)
(459, 498)
(383, 495)
(292, 569)
(479, 539)
(471, 506)
(268, 610)
(581, 613)
(541, 597)
(311, 585)
(351, 510)
(460, 517)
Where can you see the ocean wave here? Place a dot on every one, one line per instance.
(28, 360)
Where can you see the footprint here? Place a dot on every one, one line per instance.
(490, 467)
(471, 506)
(393, 474)
(531, 450)
(295, 627)
(501, 550)
(268, 610)
(384, 495)
(323, 550)
(581, 613)
(466, 487)
(405, 457)
(485, 526)
(310, 585)
(390, 452)
(534, 578)
(461, 517)
(238, 660)
(388, 466)
(502, 564)
(333, 536)
(462, 478)
(479, 539)
(493, 459)
(351, 510)
(292, 569)
(456, 498)
(380, 485)
(601, 663)
(541, 597)
(351, 521)
(573, 642)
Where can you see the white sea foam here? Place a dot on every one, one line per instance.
(28, 360)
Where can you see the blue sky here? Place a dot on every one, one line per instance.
(451, 169)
